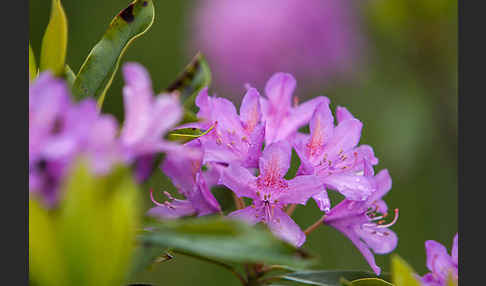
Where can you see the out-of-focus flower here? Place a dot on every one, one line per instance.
(194, 184)
(281, 118)
(249, 40)
(147, 119)
(440, 263)
(362, 221)
(271, 192)
(234, 138)
(331, 153)
(59, 131)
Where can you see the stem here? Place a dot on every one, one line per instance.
(239, 203)
(224, 265)
(290, 210)
(314, 226)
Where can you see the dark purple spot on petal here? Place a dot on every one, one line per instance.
(127, 14)
(145, 3)
(57, 126)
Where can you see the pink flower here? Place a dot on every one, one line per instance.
(331, 153)
(147, 118)
(281, 118)
(362, 221)
(234, 138)
(440, 263)
(194, 184)
(271, 192)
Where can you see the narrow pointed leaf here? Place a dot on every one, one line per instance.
(222, 239)
(402, 273)
(195, 76)
(54, 42)
(32, 65)
(187, 134)
(98, 70)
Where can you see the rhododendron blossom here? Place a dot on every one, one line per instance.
(271, 192)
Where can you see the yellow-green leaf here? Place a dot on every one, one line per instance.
(402, 273)
(54, 43)
(98, 70)
(32, 65)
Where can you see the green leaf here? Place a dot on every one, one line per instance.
(98, 70)
(402, 273)
(54, 42)
(370, 282)
(222, 239)
(90, 238)
(326, 277)
(196, 75)
(32, 65)
(187, 134)
(69, 75)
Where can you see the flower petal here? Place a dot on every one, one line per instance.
(321, 127)
(349, 232)
(275, 160)
(239, 180)
(182, 171)
(343, 114)
(345, 137)
(300, 189)
(323, 201)
(381, 240)
(284, 227)
(250, 113)
(353, 187)
(382, 183)
(248, 214)
(297, 118)
(137, 97)
(279, 89)
(454, 251)
(438, 260)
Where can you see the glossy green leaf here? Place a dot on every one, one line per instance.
(402, 273)
(98, 70)
(222, 239)
(89, 239)
(327, 277)
(370, 282)
(54, 42)
(196, 75)
(32, 65)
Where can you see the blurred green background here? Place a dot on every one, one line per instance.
(406, 96)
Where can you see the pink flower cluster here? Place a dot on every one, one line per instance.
(249, 152)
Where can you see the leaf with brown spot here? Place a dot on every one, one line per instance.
(98, 70)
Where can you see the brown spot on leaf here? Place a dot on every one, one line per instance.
(127, 14)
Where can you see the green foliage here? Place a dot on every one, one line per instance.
(196, 75)
(98, 70)
(187, 134)
(402, 273)
(54, 43)
(328, 277)
(222, 239)
(32, 65)
(90, 239)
